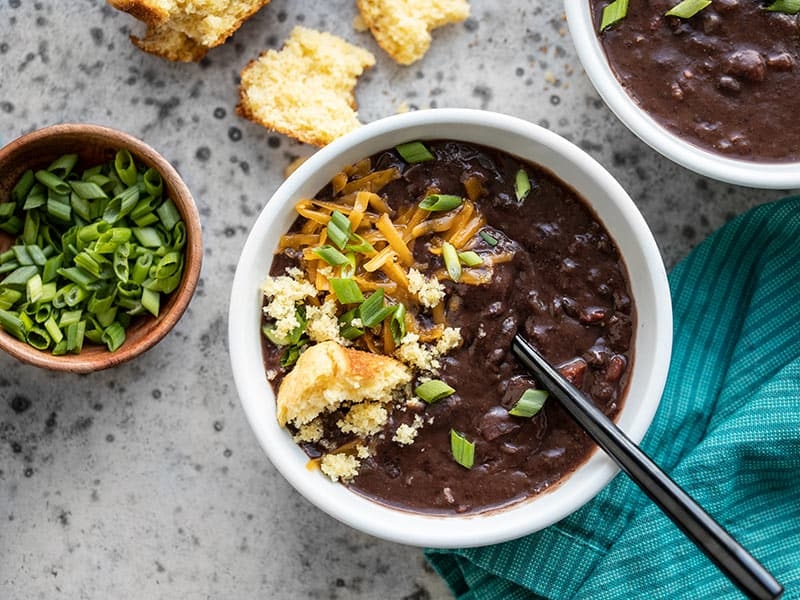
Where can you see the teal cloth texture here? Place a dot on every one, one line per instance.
(727, 431)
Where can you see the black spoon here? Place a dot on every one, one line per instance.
(709, 536)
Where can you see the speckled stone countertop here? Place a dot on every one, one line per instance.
(146, 481)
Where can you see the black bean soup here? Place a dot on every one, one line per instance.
(725, 79)
(566, 289)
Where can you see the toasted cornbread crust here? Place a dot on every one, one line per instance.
(306, 89)
(328, 375)
(403, 28)
(187, 32)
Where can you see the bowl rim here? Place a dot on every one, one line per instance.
(258, 401)
(755, 174)
(85, 363)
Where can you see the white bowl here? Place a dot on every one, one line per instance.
(653, 332)
(593, 58)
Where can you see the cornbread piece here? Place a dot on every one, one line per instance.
(305, 90)
(403, 29)
(184, 30)
(328, 374)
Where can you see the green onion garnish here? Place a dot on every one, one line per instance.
(346, 328)
(488, 238)
(790, 7)
(433, 390)
(686, 9)
(372, 311)
(470, 258)
(463, 450)
(74, 269)
(530, 403)
(613, 13)
(398, 323)
(440, 202)
(362, 246)
(338, 229)
(451, 262)
(346, 290)
(331, 255)
(414, 152)
(522, 185)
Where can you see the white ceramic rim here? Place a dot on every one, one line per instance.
(739, 172)
(589, 178)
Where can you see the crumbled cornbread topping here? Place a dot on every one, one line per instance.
(364, 419)
(427, 289)
(406, 434)
(340, 466)
(285, 293)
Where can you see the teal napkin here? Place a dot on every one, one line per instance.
(727, 430)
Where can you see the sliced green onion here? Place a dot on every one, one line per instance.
(346, 328)
(70, 274)
(463, 450)
(38, 338)
(470, 258)
(63, 165)
(530, 403)
(113, 336)
(12, 323)
(414, 152)
(613, 13)
(59, 210)
(790, 7)
(433, 390)
(372, 311)
(451, 261)
(52, 182)
(18, 278)
(331, 255)
(522, 185)
(125, 167)
(153, 184)
(488, 238)
(53, 331)
(148, 237)
(338, 229)
(121, 204)
(686, 9)
(151, 301)
(33, 288)
(23, 187)
(440, 202)
(398, 323)
(87, 190)
(168, 214)
(346, 290)
(361, 246)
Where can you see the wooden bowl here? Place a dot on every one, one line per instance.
(95, 145)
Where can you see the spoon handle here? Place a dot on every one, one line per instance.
(709, 536)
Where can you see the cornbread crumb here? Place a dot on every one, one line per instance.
(322, 324)
(310, 432)
(427, 289)
(403, 29)
(305, 90)
(364, 419)
(284, 292)
(185, 30)
(425, 357)
(340, 466)
(451, 338)
(418, 355)
(406, 434)
(328, 374)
